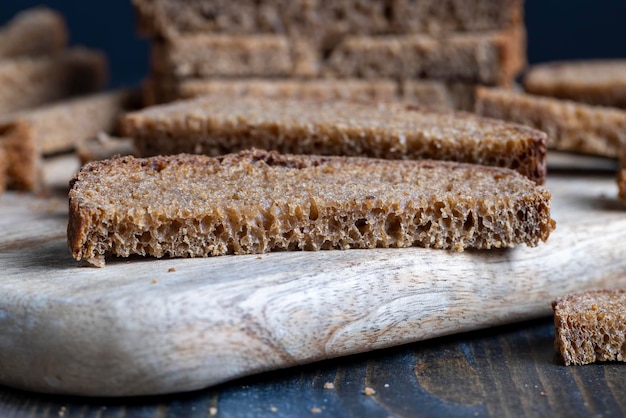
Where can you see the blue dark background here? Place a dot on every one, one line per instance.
(557, 29)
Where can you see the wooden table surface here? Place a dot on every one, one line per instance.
(506, 371)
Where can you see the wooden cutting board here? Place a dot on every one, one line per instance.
(146, 326)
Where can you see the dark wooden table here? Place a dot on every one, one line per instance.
(499, 372)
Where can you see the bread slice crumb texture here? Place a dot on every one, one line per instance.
(258, 201)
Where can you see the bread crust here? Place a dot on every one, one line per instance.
(258, 201)
(214, 126)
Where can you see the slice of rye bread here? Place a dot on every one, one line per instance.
(491, 58)
(211, 55)
(570, 126)
(62, 125)
(219, 125)
(590, 326)
(36, 31)
(23, 168)
(35, 81)
(595, 82)
(257, 201)
(316, 18)
(429, 93)
(27, 136)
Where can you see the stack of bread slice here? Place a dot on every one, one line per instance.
(306, 138)
(50, 99)
(428, 52)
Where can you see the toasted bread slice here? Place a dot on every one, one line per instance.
(257, 201)
(214, 126)
(33, 32)
(23, 170)
(211, 55)
(61, 126)
(570, 126)
(429, 93)
(28, 135)
(322, 19)
(158, 90)
(595, 82)
(35, 81)
(590, 326)
(492, 58)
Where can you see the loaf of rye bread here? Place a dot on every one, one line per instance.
(162, 90)
(257, 201)
(33, 81)
(219, 125)
(428, 93)
(491, 58)
(318, 19)
(33, 32)
(571, 126)
(590, 326)
(595, 82)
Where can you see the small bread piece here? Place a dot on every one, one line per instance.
(30, 82)
(320, 18)
(22, 155)
(595, 82)
(570, 126)
(165, 90)
(214, 126)
(37, 31)
(492, 58)
(257, 201)
(590, 326)
(210, 55)
(61, 126)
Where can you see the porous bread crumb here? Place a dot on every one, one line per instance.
(316, 410)
(329, 385)
(257, 201)
(171, 270)
(590, 326)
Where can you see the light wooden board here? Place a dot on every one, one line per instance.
(147, 326)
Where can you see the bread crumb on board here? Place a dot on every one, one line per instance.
(329, 385)
(316, 410)
(171, 270)
(369, 391)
